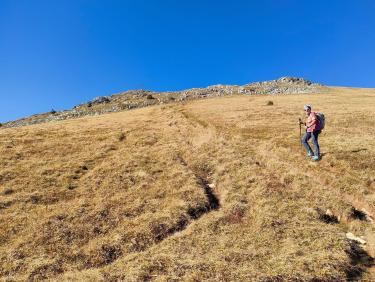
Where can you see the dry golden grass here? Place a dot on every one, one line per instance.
(210, 190)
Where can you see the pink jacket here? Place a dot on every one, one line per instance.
(312, 122)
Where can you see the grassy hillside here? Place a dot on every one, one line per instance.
(213, 190)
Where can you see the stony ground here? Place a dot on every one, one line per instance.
(208, 190)
(141, 98)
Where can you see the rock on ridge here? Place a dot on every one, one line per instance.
(142, 98)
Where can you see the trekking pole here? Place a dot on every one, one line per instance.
(300, 131)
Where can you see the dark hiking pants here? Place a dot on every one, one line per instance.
(314, 137)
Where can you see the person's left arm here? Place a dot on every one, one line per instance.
(311, 121)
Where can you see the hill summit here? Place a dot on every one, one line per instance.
(142, 98)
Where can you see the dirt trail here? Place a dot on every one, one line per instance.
(269, 152)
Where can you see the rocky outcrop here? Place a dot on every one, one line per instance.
(142, 98)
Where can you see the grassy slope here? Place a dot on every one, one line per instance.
(125, 196)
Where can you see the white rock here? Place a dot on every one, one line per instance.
(352, 237)
(329, 212)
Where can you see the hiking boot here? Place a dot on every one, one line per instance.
(315, 158)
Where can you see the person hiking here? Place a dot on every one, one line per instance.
(313, 129)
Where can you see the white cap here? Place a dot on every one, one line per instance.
(306, 107)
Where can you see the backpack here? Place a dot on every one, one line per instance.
(321, 120)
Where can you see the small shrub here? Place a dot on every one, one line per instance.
(52, 112)
(35, 199)
(71, 186)
(83, 167)
(150, 97)
(236, 213)
(123, 106)
(269, 103)
(4, 205)
(109, 254)
(121, 136)
(8, 191)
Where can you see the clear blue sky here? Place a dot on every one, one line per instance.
(56, 54)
